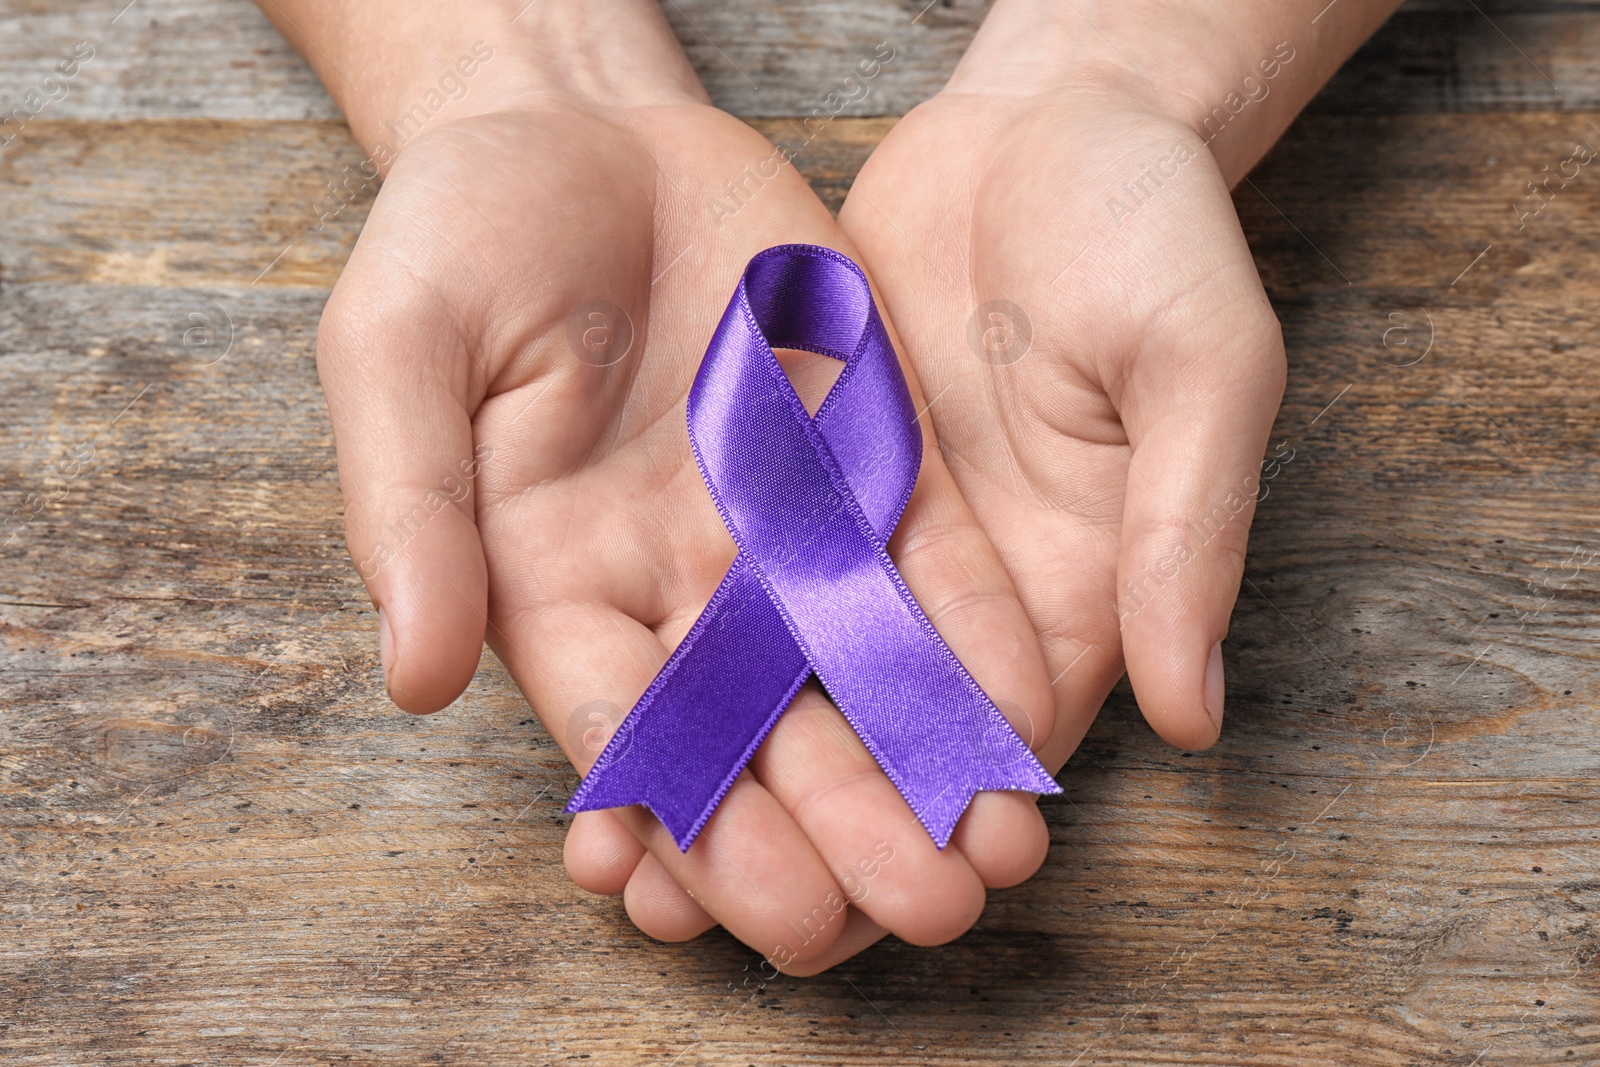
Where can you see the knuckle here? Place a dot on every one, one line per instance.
(966, 605)
(1177, 553)
(947, 559)
(1273, 357)
(834, 801)
(365, 319)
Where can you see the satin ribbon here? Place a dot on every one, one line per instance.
(810, 502)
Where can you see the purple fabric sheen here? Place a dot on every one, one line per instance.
(810, 503)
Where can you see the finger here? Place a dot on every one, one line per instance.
(880, 855)
(1084, 657)
(754, 871)
(1005, 839)
(1070, 569)
(600, 852)
(389, 361)
(1198, 412)
(752, 868)
(1064, 573)
(823, 775)
(957, 576)
(660, 907)
(859, 934)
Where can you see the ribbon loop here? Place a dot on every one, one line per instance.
(811, 503)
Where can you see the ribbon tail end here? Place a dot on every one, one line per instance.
(683, 828)
(941, 815)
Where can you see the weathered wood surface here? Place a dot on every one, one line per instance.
(219, 844)
(220, 58)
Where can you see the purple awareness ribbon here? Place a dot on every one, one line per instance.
(810, 502)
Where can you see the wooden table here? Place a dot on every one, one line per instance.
(223, 846)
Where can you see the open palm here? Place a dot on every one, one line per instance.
(1073, 289)
(507, 358)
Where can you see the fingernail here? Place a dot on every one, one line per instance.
(385, 645)
(1214, 686)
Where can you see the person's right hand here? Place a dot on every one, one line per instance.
(506, 359)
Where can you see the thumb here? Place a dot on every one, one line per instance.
(1198, 413)
(395, 375)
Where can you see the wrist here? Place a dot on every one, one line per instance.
(399, 68)
(1236, 75)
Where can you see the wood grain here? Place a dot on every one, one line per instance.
(221, 59)
(219, 844)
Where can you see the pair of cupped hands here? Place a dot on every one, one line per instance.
(1061, 530)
